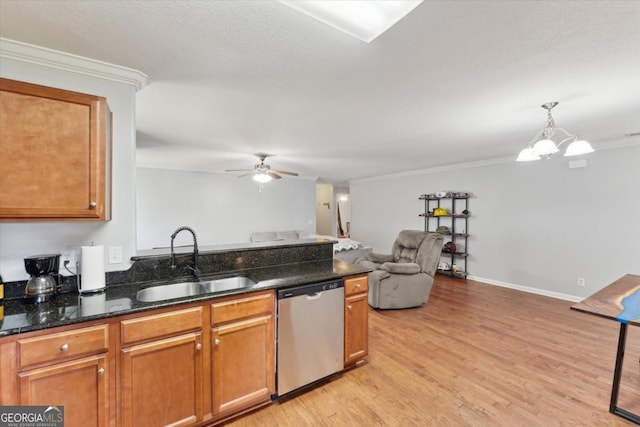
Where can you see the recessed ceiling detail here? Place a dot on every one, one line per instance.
(362, 19)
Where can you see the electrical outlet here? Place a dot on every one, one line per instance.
(68, 258)
(115, 254)
(581, 281)
(69, 255)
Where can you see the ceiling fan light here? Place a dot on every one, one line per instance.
(527, 155)
(545, 147)
(578, 147)
(261, 178)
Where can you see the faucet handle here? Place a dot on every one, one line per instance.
(196, 271)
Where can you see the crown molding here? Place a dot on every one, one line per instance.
(439, 169)
(618, 143)
(24, 52)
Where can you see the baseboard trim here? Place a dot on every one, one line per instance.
(528, 289)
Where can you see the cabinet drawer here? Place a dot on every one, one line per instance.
(238, 308)
(63, 345)
(160, 325)
(356, 285)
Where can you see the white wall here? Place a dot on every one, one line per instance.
(539, 225)
(18, 240)
(220, 208)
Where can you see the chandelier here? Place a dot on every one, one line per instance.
(542, 144)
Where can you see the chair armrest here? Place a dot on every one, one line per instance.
(363, 262)
(401, 267)
(379, 258)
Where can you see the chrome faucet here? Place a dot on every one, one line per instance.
(194, 269)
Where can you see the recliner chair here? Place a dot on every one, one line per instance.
(404, 278)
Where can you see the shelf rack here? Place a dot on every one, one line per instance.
(458, 223)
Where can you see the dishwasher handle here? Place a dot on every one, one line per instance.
(315, 295)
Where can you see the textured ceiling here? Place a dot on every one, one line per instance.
(453, 82)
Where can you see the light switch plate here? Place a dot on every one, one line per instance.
(115, 254)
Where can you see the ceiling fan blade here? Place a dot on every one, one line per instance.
(238, 170)
(273, 175)
(286, 173)
(245, 174)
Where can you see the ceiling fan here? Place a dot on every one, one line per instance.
(262, 172)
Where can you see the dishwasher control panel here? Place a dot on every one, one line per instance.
(310, 289)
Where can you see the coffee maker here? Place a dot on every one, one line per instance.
(43, 283)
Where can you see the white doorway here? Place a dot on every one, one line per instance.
(325, 210)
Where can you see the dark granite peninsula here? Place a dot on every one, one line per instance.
(211, 353)
(271, 265)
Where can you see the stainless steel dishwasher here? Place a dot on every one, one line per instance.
(310, 334)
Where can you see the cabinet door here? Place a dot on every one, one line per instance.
(81, 386)
(55, 154)
(162, 382)
(356, 324)
(243, 364)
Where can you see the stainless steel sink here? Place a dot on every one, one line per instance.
(188, 289)
(227, 284)
(165, 292)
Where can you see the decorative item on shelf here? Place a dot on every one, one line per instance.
(442, 194)
(450, 247)
(466, 212)
(440, 212)
(461, 194)
(443, 229)
(444, 266)
(543, 145)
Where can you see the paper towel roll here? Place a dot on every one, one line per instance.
(92, 268)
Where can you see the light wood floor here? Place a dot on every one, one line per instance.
(476, 355)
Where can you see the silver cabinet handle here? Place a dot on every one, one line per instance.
(216, 341)
(198, 346)
(64, 347)
(349, 307)
(101, 371)
(92, 205)
(358, 286)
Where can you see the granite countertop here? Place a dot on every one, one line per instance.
(117, 300)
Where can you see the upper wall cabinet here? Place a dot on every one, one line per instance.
(55, 154)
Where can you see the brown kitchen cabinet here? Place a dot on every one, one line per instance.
(162, 369)
(243, 352)
(356, 319)
(196, 364)
(80, 386)
(55, 152)
(68, 368)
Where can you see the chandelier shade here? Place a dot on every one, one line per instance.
(578, 147)
(527, 155)
(542, 145)
(545, 147)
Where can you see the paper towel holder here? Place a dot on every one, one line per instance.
(92, 275)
